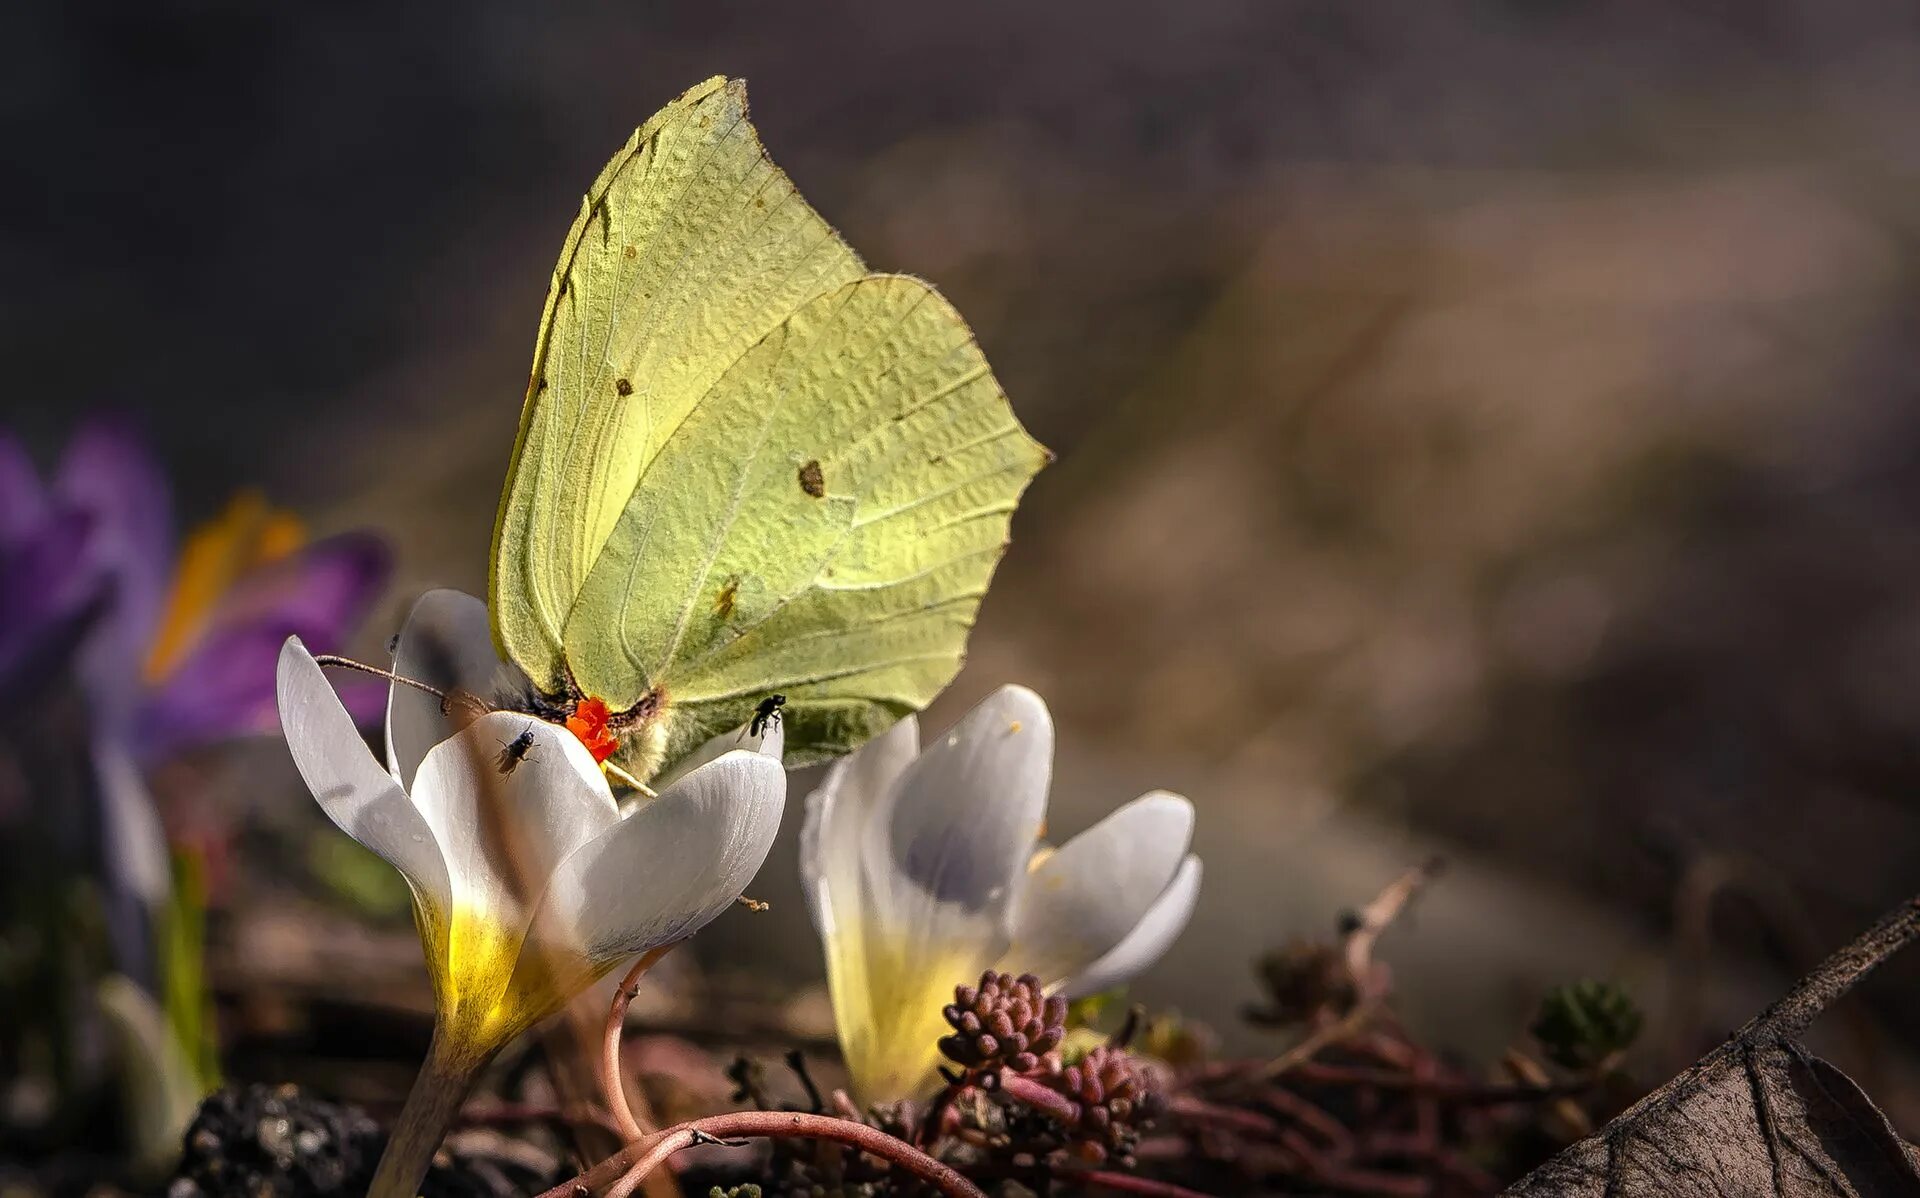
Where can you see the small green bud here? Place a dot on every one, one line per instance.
(1583, 1024)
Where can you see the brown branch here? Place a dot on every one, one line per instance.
(630, 1166)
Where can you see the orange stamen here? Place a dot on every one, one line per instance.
(246, 535)
(589, 723)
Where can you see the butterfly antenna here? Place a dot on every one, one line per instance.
(347, 663)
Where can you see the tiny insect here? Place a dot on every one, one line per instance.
(514, 752)
(766, 715)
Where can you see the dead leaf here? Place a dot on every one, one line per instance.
(1759, 1115)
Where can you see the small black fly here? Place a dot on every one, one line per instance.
(514, 752)
(766, 715)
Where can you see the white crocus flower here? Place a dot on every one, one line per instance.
(923, 868)
(528, 882)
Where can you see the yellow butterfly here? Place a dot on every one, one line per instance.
(745, 464)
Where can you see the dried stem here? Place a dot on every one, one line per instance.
(1379, 914)
(631, 1165)
(1319, 1038)
(611, 1080)
(1131, 1183)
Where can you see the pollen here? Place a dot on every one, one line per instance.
(589, 723)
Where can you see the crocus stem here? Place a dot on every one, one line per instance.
(432, 1107)
(610, 1076)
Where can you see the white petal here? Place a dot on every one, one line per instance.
(447, 643)
(664, 872)
(770, 742)
(1086, 897)
(358, 795)
(505, 822)
(942, 858)
(133, 844)
(838, 813)
(1150, 938)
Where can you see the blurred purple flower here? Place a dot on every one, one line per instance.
(171, 654)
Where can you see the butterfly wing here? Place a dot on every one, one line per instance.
(689, 249)
(823, 524)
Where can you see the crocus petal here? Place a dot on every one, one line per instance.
(318, 593)
(963, 819)
(506, 818)
(358, 795)
(447, 643)
(222, 688)
(1149, 940)
(770, 741)
(23, 502)
(939, 855)
(133, 852)
(107, 474)
(838, 814)
(658, 876)
(1086, 897)
(50, 602)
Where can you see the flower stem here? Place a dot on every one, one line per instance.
(432, 1107)
(630, 1127)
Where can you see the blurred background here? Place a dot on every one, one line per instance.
(1485, 429)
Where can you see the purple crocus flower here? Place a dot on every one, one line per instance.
(170, 651)
(172, 655)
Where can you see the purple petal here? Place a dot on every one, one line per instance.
(109, 475)
(319, 594)
(49, 600)
(23, 501)
(225, 685)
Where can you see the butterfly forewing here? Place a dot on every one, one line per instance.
(689, 248)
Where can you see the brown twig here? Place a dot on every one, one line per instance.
(1378, 915)
(1321, 1037)
(1128, 1182)
(627, 1168)
(611, 1079)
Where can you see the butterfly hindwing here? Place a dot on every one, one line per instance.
(823, 525)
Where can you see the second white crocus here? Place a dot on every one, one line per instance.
(924, 868)
(528, 882)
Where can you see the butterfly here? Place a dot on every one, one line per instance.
(744, 463)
